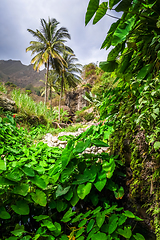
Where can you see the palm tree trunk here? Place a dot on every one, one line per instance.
(46, 83)
(60, 99)
(51, 96)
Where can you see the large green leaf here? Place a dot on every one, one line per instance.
(81, 146)
(2, 165)
(48, 224)
(39, 197)
(58, 229)
(100, 218)
(4, 214)
(21, 189)
(4, 181)
(82, 223)
(92, 8)
(138, 236)
(83, 190)
(109, 167)
(75, 198)
(90, 225)
(128, 214)
(101, 181)
(156, 145)
(101, 11)
(15, 175)
(21, 208)
(99, 236)
(61, 206)
(69, 194)
(38, 181)
(113, 225)
(18, 231)
(61, 191)
(121, 220)
(41, 217)
(88, 175)
(28, 171)
(144, 71)
(67, 216)
(80, 232)
(108, 66)
(120, 34)
(66, 154)
(99, 143)
(127, 233)
(123, 5)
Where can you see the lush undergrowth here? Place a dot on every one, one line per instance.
(52, 193)
(133, 107)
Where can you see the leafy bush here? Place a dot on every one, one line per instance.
(47, 193)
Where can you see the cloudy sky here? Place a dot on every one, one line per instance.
(16, 16)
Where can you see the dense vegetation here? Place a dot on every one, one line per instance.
(54, 193)
(47, 193)
(133, 106)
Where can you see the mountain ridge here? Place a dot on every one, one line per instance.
(21, 75)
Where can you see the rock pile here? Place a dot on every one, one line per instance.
(53, 141)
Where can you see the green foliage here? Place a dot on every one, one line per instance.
(30, 109)
(134, 37)
(2, 88)
(133, 105)
(50, 193)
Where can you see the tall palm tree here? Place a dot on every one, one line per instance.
(69, 75)
(49, 47)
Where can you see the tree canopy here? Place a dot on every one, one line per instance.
(49, 46)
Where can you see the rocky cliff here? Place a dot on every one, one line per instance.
(74, 99)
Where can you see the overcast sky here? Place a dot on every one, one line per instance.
(16, 16)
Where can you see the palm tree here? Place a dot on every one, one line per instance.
(69, 77)
(49, 47)
(53, 84)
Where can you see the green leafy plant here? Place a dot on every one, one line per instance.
(49, 193)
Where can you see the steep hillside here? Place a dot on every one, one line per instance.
(19, 74)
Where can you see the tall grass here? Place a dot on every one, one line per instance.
(3, 88)
(27, 106)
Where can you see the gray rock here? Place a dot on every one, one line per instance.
(7, 104)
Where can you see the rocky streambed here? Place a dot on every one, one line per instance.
(55, 141)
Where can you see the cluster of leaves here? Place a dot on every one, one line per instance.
(47, 193)
(134, 37)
